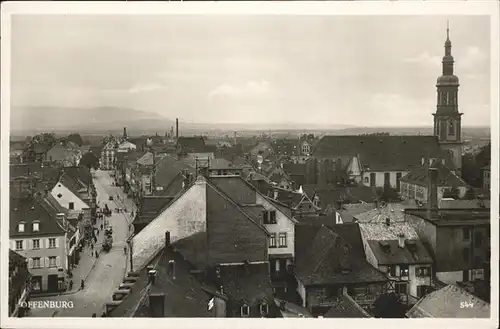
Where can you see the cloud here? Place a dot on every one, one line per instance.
(251, 88)
(141, 88)
(425, 59)
(473, 55)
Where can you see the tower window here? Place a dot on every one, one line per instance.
(451, 128)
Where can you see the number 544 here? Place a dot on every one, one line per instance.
(466, 304)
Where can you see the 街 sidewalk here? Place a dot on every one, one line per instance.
(86, 264)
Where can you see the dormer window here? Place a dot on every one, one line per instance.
(264, 309)
(20, 227)
(36, 226)
(245, 310)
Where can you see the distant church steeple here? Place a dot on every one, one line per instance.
(447, 119)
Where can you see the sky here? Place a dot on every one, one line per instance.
(340, 70)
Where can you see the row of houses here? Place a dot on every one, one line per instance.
(239, 251)
(49, 218)
(62, 152)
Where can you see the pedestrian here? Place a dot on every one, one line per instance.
(94, 315)
(70, 284)
(103, 315)
(96, 254)
(92, 254)
(82, 284)
(92, 246)
(101, 226)
(125, 250)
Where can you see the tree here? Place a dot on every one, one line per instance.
(76, 138)
(389, 306)
(387, 194)
(90, 161)
(45, 138)
(472, 165)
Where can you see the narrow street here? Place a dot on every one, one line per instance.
(110, 267)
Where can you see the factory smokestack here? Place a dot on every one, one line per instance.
(176, 129)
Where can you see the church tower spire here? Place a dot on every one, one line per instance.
(447, 119)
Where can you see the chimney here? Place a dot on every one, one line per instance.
(152, 276)
(171, 268)
(235, 138)
(401, 240)
(344, 290)
(167, 239)
(157, 305)
(275, 195)
(124, 132)
(176, 129)
(432, 191)
(422, 161)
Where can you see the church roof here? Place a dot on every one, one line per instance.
(383, 153)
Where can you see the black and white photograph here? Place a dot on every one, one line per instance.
(249, 164)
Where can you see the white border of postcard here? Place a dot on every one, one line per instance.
(446, 8)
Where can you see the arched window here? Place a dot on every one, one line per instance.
(245, 310)
(451, 128)
(264, 309)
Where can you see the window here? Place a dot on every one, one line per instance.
(19, 244)
(465, 254)
(52, 261)
(478, 239)
(264, 309)
(71, 205)
(387, 179)
(269, 217)
(245, 310)
(423, 290)
(282, 240)
(466, 233)
(36, 262)
(36, 243)
(392, 270)
(36, 226)
(423, 271)
(398, 181)
(367, 180)
(20, 227)
(372, 179)
(404, 270)
(451, 128)
(52, 242)
(401, 288)
(272, 240)
(59, 195)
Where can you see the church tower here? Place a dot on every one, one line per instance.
(447, 119)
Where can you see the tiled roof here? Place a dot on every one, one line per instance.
(168, 167)
(192, 144)
(349, 210)
(204, 202)
(316, 219)
(328, 194)
(373, 223)
(184, 296)
(322, 252)
(146, 160)
(450, 217)
(383, 152)
(286, 146)
(80, 174)
(30, 210)
(150, 206)
(70, 183)
(346, 307)
(445, 303)
(247, 283)
(221, 163)
(445, 177)
(414, 252)
(462, 204)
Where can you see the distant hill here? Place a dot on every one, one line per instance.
(28, 120)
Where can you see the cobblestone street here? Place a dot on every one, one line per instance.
(105, 275)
